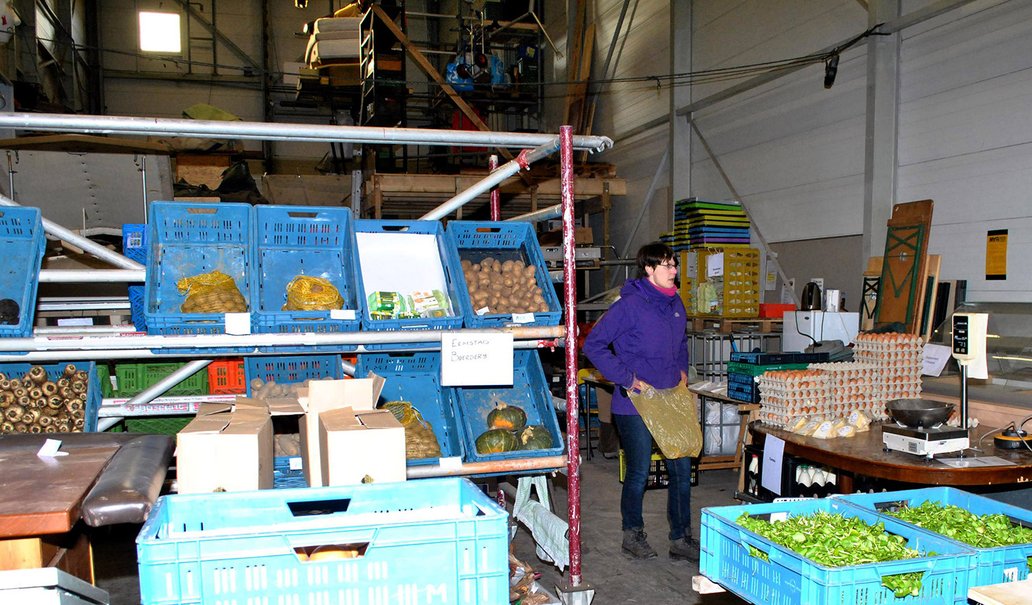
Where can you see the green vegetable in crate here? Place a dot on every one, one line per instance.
(980, 531)
(496, 441)
(213, 292)
(420, 440)
(10, 312)
(308, 293)
(837, 541)
(508, 417)
(535, 437)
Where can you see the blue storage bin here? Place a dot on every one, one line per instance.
(54, 372)
(788, 577)
(776, 358)
(993, 565)
(292, 369)
(504, 241)
(187, 240)
(432, 541)
(134, 242)
(529, 391)
(742, 387)
(416, 378)
(303, 240)
(449, 264)
(21, 246)
(285, 477)
(137, 301)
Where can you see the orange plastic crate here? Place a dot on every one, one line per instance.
(226, 377)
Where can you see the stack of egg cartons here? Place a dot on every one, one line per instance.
(897, 359)
(788, 394)
(853, 385)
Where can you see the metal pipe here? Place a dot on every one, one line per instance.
(104, 424)
(513, 166)
(540, 215)
(205, 341)
(67, 276)
(287, 132)
(77, 330)
(81, 242)
(518, 465)
(158, 388)
(570, 294)
(496, 196)
(350, 369)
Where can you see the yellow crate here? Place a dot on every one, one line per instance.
(739, 287)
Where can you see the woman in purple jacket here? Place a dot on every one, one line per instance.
(641, 343)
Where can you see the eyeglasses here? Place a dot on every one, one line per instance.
(668, 265)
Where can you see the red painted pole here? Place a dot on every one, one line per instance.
(570, 294)
(496, 196)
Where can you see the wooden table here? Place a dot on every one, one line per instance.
(864, 455)
(40, 501)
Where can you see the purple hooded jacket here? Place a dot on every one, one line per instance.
(646, 331)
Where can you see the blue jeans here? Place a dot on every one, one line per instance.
(636, 441)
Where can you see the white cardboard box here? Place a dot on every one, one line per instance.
(226, 447)
(361, 447)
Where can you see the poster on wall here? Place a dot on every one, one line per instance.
(996, 254)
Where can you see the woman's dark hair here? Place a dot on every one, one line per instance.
(652, 254)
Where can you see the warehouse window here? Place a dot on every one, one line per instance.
(159, 32)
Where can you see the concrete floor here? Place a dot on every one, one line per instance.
(615, 579)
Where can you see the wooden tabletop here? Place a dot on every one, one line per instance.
(865, 455)
(41, 496)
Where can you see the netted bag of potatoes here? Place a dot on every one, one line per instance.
(503, 287)
(307, 293)
(420, 440)
(213, 292)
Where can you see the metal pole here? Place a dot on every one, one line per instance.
(287, 132)
(496, 196)
(570, 294)
(485, 468)
(541, 215)
(65, 276)
(81, 242)
(158, 388)
(513, 166)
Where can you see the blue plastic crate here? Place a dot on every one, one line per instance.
(416, 378)
(292, 369)
(55, 372)
(449, 264)
(134, 242)
(21, 246)
(777, 358)
(137, 301)
(993, 565)
(742, 387)
(302, 240)
(187, 240)
(285, 477)
(529, 391)
(432, 541)
(504, 241)
(787, 577)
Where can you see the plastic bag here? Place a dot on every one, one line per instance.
(307, 293)
(420, 440)
(671, 416)
(213, 292)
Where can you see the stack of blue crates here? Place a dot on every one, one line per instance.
(743, 368)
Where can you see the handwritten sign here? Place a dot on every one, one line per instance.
(476, 359)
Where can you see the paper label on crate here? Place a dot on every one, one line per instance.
(451, 463)
(295, 463)
(522, 318)
(773, 457)
(483, 310)
(51, 449)
(342, 314)
(476, 358)
(238, 323)
(715, 265)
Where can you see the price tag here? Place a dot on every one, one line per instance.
(296, 463)
(451, 463)
(476, 358)
(522, 318)
(342, 314)
(238, 323)
(483, 311)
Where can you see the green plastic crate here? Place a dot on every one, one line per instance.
(104, 378)
(134, 378)
(752, 369)
(159, 425)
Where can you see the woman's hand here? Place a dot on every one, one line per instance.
(684, 379)
(640, 386)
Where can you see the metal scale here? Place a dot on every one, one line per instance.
(969, 333)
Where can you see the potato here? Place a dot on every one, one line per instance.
(507, 266)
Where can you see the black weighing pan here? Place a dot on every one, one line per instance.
(919, 413)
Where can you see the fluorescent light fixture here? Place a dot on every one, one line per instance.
(159, 32)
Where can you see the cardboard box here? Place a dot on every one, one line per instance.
(327, 395)
(225, 448)
(361, 447)
(581, 235)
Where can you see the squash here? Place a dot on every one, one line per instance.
(508, 417)
(535, 437)
(496, 441)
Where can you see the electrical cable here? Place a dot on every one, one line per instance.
(798, 331)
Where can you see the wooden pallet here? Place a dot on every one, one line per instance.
(727, 325)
